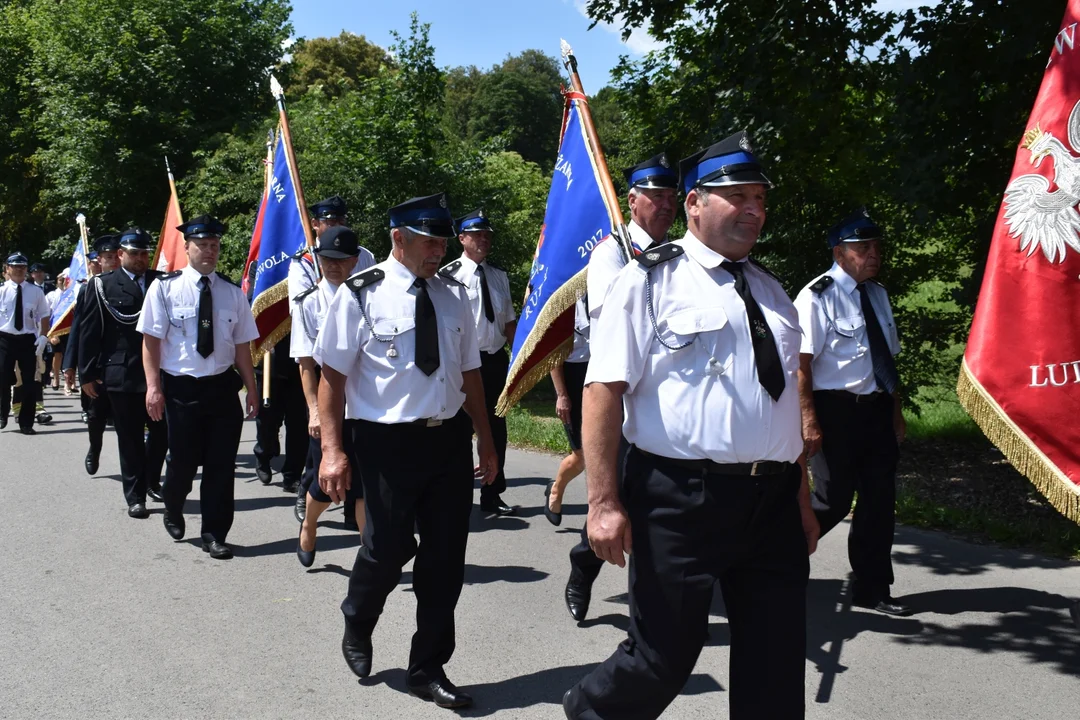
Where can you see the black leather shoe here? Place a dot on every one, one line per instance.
(568, 699)
(496, 506)
(3, 422)
(300, 509)
(357, 652)
(290, 486)
(138, 510)
(91, 462)
(307, 558)
(578, 595)
(886, 605)
(174, 525)
(28, 430)
(264, 473)
(555, 518)
(217, 550)
(443, 693)
(43, 418)
(154, 493)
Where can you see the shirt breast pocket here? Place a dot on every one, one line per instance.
(184, 318)
(227, 322)
(846, 338)
(708, 339)
(391, 342)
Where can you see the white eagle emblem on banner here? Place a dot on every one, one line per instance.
(1038, 217)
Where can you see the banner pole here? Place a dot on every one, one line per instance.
(286, 137)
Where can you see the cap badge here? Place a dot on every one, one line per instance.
(442, 201)
(744, 143)
(337, 242)
(480, 214)
(865, 212)
(664, 161)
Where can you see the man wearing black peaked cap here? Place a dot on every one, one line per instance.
(701, 342)
(110, 363)
(197, 328)
(24, 320)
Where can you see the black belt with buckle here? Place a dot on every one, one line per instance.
(754, 469)
(857, 398)
(427, 422)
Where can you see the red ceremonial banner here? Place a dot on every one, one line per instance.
(1020, 379)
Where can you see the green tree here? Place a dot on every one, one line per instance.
(338, 64)
(118, 84)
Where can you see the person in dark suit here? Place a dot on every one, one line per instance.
(96, 410)
(110, 363)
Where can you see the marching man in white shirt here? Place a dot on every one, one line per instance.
(197, 328)
(851, 409)
(488, 291)
(24, 321)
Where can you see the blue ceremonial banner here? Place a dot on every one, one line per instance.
(280, 230)
(62, 315)
(576, 220)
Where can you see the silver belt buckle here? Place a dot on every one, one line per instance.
(753, 468)
(434, 422)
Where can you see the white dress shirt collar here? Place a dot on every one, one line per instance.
(195, 276)
(843, 281)
(702, 253)
(398, 274)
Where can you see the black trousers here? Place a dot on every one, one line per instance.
(289, 407)
(493, 369)
(18, 350)
(204, 421)
(98, 411)
(583, 561)
(141, 454)
(356, 488)
(415, 477)
(690, 530)
(858, 454)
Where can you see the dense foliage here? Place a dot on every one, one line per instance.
(915, 114)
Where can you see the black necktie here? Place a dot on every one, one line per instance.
(427, 330)
(485, 295)
(204, 343)
(884, 365)
(770, 370)
(18, 308)
(138, 284)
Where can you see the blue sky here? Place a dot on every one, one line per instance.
(484, 32)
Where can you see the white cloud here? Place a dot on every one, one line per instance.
(639, 42)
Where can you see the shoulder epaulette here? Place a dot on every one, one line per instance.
(821, 283)
(299, 254)
(171, 275)
(228, 279)
(451, 268)
(300, 296)
(365, 279)
(450, 278)
(656, 255)
(764, 269)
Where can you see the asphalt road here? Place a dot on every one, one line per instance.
(105, 616)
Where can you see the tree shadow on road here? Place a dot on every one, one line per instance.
(944, 555)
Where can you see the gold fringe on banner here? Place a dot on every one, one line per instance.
(266, 299)
(271, 340)
(1017, 447)
(562, 299)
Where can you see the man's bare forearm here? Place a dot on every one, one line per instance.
(475, 403)
(601, 431)
(151, 355)
(309, 381)
(242, 360)
(331, 408)
(806, 388)
(558, 379)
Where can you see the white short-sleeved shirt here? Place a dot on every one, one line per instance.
(834, 332)
(606, 261)
(308, 311)
(34, 307)
(580, 351)
(703, 401)
(377, 352)
(302, 271)
(491, 336)
(171, 313)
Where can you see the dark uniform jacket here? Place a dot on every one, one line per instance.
(110, 350)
